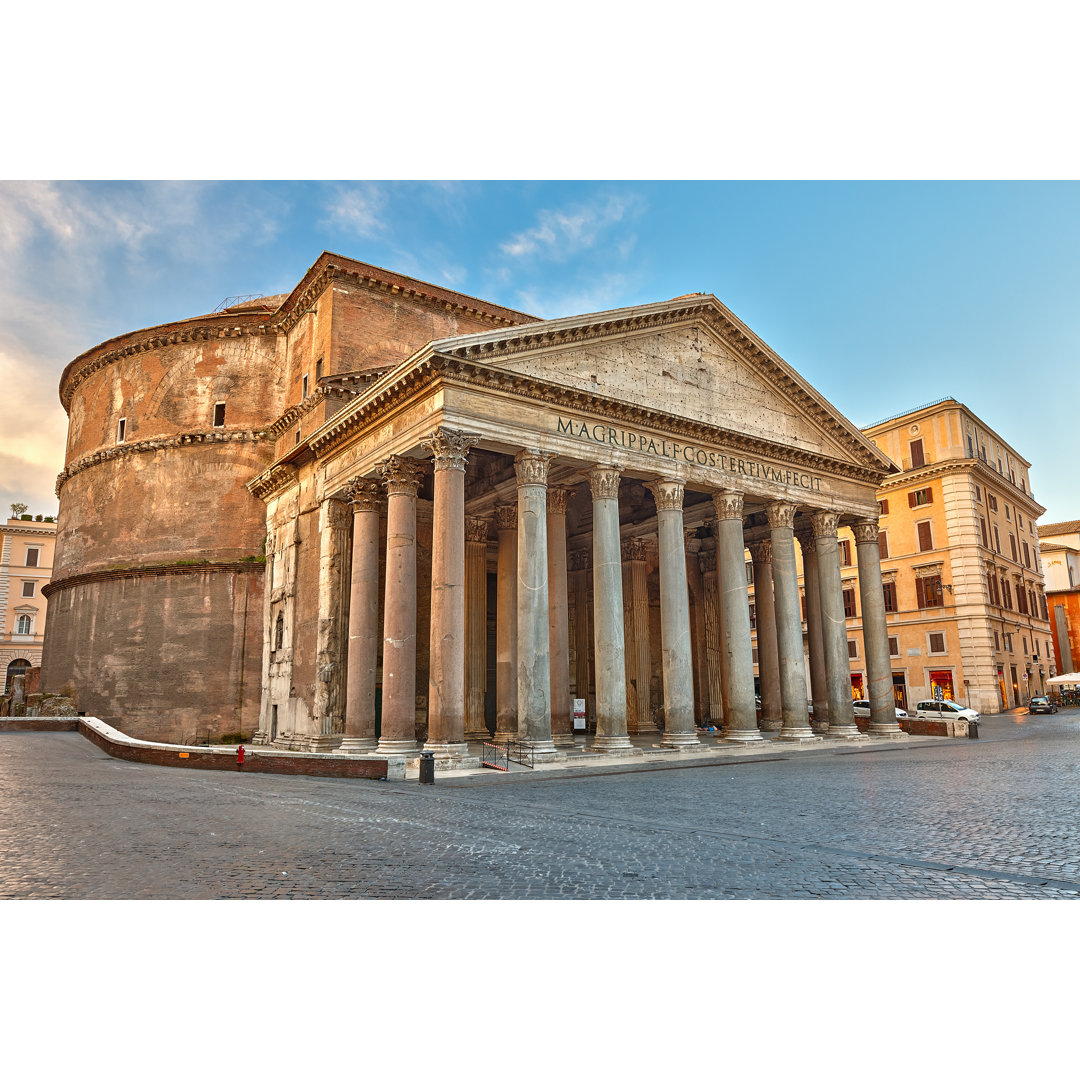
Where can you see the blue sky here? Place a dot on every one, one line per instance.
(884, 295)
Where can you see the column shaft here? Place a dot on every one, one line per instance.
(608, 614)
(398, 736)
(789, 639)
(768, 657)
(695, 587)
(562, 705)
(636, 638)
(581, 561)
(534, 650)
(740, 714)
(329, 706)
(506, 724)
(875, 633)
(679, 729)
(834, 628)
(819, 687)
(713, 635)
(476, 545)
(365, 499)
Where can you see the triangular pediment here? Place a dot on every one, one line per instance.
(689, 359)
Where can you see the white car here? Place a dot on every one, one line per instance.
(944, 710)
(862, 710)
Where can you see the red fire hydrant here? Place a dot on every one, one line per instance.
(240, 756)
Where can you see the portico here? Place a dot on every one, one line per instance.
(533, 510)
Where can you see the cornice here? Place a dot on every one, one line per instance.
(1005, 487)
(145, 446)
(373, 277)
(37, 528)
(314, 399)
(203, 328)
(407, 379)
(272, 481)
(249, 566)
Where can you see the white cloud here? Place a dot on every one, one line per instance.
(359, 210)
(560, 234)
(601, 295)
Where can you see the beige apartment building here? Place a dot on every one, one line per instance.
(965, 605)
(26, 560)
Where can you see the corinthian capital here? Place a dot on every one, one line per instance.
(604, 482)
(557, 498)
(825, 523)
(580, 560)
(531, 467)
(401, 475)
(362, 494)
(667, 493)
(866, 532)
(760, 551)
(729, 505)
(781, 515)
(633, 549)
(476, 530)
(337, 513)
(449, 447)
(506, 517)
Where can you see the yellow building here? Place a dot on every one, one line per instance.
(964, 598)
(26, 561)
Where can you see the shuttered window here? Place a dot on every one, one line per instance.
(926, 539)
(921, 497)
(918, 459)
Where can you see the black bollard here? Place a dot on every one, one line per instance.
(427, 766)
(973, 729)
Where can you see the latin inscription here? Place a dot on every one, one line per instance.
(692, 455)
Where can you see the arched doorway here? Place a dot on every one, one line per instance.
(16, 667)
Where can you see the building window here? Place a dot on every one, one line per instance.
(32, 556)
(297, 434)
(849, 604)
(749, 573)
(28, 588)
(318, 370)
(304, 389)
(882, 507)
(1027, 555)
(978, 493)
(1021, 601)
(1042, 604)
(753, 617)
(852, 649)
(219, 414)
(922, 497)
(753, 656)
(1038, 651)
(23, 624)
(1019, 520)
(997, 642)
(997, 540)
(888, 588)
(1007, 512)
(937, 643)
(918, 458)
(1006, 593)
(1012, 544)
(883, 544)
(991, 501)
(928, 591)
(926, 538)
(121, 429)
(894, 646)
(992, 588)
(845, 552)
(982, 530)
(802, 604)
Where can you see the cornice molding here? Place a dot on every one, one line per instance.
(203, 328)
(390, 392)
(250, 566)
(1006, 488)
(272, 481)
(302, 408)
(146, 446)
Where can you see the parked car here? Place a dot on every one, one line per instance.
(862, 710)
(944, 710)
(1041, 704)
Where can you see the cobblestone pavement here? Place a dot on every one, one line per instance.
(994, 818)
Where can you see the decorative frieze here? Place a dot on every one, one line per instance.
(450, 448)
(531, 467)
(604, 482)
(729, 505)
(667, 493)
(401, 475)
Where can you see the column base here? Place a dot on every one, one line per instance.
(799, 734)
(887, 731)
(502, 737)
(260, 738)
(444, 750)
(322, 744)
(771, 725)
(406, 747)
(847, 731)
(613, 744)
(741, 738)
(563, 740)
(645, 729)
(680, 740)
(482, 735)
(357, 745)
